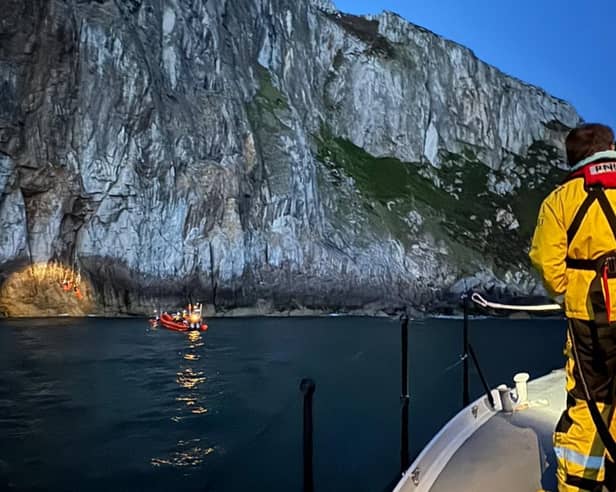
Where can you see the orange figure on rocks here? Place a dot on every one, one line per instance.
(78, 293)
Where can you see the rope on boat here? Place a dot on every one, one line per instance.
(477, 299)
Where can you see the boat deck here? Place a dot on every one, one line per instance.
(510, 452)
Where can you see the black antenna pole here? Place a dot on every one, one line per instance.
(404, 396)
(465, 395)
(486, 386)
(307, 387)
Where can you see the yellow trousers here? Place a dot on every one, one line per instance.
(580, 454)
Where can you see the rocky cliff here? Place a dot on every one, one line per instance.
(274, 154)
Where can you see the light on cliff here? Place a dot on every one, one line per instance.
(45, 289)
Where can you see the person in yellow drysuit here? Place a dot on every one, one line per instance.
(574, 250)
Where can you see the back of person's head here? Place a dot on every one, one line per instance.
(587, 140)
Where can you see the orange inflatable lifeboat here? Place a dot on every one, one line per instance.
(185, 324)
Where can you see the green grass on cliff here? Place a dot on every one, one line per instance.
(390, 189)
(384, 184)
(267, 113)
(386, 180)
(526, 203)
(267, 104)
(455, 212)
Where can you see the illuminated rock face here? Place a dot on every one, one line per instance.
(43, 289)
(233, 152)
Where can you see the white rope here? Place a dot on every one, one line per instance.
(477, 299)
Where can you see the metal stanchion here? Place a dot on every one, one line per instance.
(307, 387)
(404, 396)
(465, 392)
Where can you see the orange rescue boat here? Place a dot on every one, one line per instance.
(186, 324)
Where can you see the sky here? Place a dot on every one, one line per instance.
(566, 47)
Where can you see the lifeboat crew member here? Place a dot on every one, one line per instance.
(574, 250)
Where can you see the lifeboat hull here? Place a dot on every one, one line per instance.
(167, 321)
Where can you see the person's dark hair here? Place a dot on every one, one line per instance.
(586, 140)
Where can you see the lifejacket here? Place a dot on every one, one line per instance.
(598, 173)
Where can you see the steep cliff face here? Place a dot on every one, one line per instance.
(269, 153)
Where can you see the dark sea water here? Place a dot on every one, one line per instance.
(111, 405)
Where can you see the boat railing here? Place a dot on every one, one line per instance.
(307, 386)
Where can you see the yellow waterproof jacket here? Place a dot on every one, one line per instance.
(594, 238)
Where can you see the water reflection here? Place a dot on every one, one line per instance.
(189, 453)
(196, 340)
(191, 404)
(189, 379)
